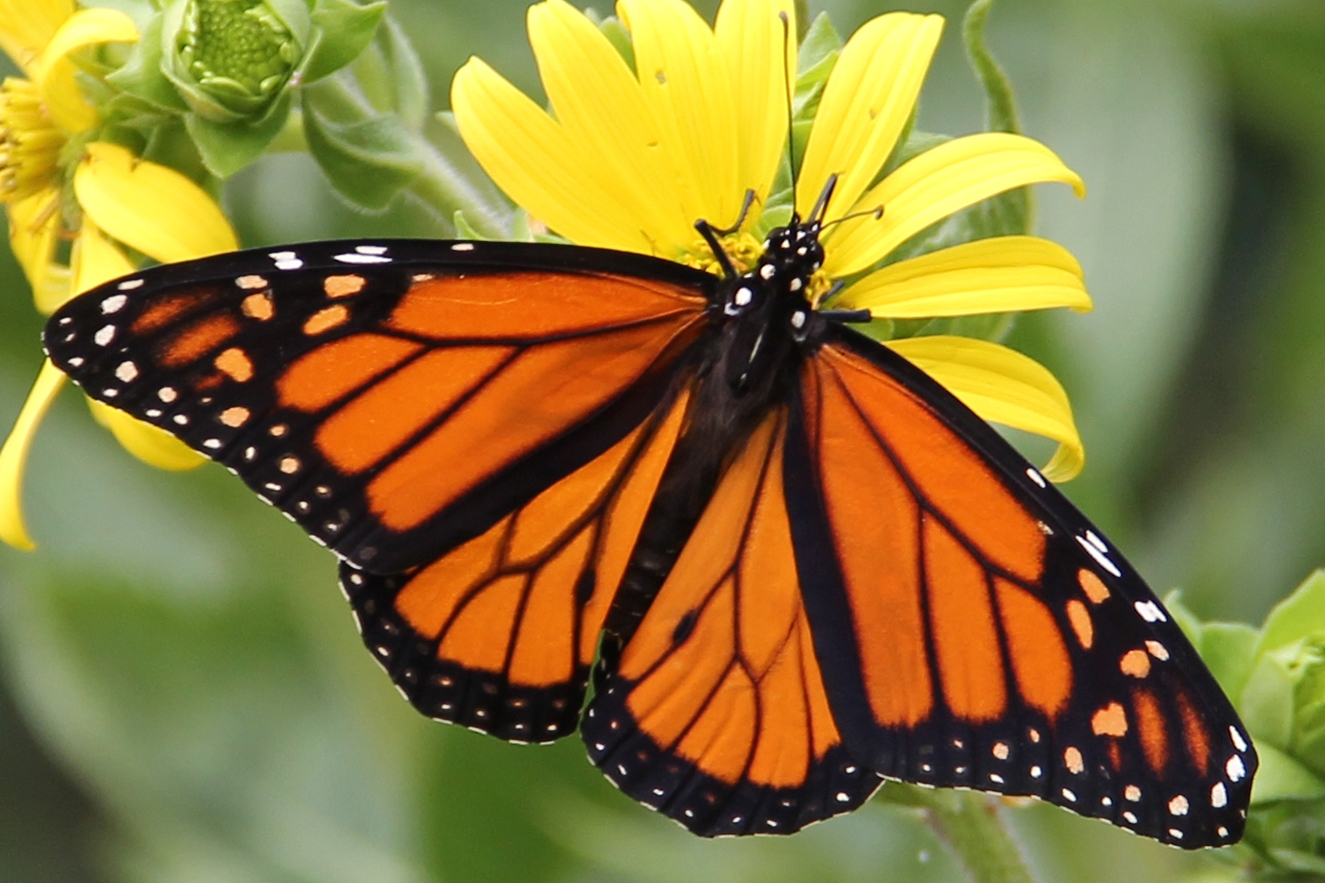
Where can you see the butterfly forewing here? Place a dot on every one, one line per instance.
(395, 399)
(975, 630)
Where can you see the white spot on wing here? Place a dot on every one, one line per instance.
(357, 258)
(286, 260)
(1094, 540)
(1238, 742)
(1235, 768)
(113, 304)
(1219, 796)
(1178, 806)
(105, 334)
(130, 284)
(1100, 557)
(462, 246)
(127, 371)
(370, 249)
(1034, 475)
(1149, 611)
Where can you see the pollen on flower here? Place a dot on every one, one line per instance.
(741, 247)
(30, 142)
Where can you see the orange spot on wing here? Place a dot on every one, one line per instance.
(235, 417)
(325, 319)
(198, 339)
(258, 306)
(961, 619)
(533, 305)
(1151, 729)
(876, 535)
(235, 363)
(949, 473)
(337, 368)
(343, 286)
(166, 310)
(1194, 733)
(1073, 760)
(1111, 720)
(1039, 657)
(1115, 754)
(1135, 663)
(1093, 586)
(1079, 618)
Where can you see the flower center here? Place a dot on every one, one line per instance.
(742, 248)
(236, 45)
(30, 142)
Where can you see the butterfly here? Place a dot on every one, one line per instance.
(785, 562)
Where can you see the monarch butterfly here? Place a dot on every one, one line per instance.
(790, 563)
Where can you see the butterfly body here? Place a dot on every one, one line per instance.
(791, 562)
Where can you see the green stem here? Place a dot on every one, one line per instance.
(440, 184)
(970, 825)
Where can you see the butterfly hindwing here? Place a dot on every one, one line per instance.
(975, 630)
(395, 399)
(715, 713)
(499, 634)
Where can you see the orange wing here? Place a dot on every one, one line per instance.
(500, 633)
(716, 712)
(974, 630)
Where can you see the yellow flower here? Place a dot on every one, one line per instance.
(631, 158)
(120, 199)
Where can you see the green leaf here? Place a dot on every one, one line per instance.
(619, 37)
(343, 30)
(141, 75)
(1267, 702)
(1299, 615)
(463, 229)
(228, 147)
(1229, 651)
(408, 78)
(1280, 777)
(368, 162)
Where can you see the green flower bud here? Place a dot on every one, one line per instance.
(231, 59)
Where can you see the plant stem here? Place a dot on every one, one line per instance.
(969, 824)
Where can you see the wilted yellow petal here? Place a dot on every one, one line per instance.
(599, 103)
(153, 446)
(684, 84)
(95, 259)
(26, 26)
(1002, 386)
(34, 226)
(14, 455)
(149, 207)
(866, 103)
(1003, 274)
(55, 71)
(935, 184)
(760, 64)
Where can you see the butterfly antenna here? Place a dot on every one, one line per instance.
(821, 204)
(877, 212)
(787, 95)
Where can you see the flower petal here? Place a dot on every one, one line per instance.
(1002, 386)
(26, 27)
(531, 158)
(34, 227)
(153, 446)
(149, 207)
(55, 70)
(14, 455)
(761, 66)
(95, 259)
(866, 104)
(1003, 274)
(599, 103)
(685, 84)
(933, 185)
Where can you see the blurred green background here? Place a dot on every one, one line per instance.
(184, 695)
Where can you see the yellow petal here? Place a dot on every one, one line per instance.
(149, 207)
(684, 84)
(55, 70)
(14, 455)
(1003, 274)
(935, 184)
(761, 66)
(1002, 386)
(533, 161)
(27, 26)
(153, 446)
(868, 99)
(95, 259)
(599, 103)
(34, 226)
